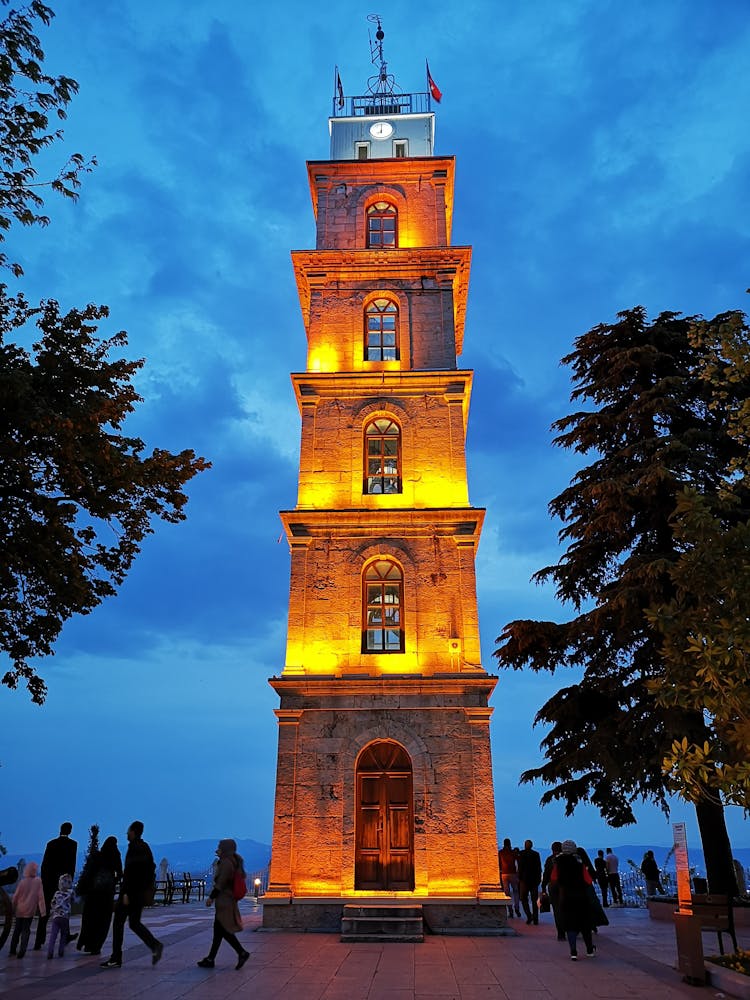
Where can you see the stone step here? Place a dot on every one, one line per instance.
(382, 923)
(385, 925)
(354, 910)
(373, 938)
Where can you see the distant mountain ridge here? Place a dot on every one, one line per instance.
(194, 856)
(635, 852)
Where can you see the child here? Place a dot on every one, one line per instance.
(60, 912)
(28, 897)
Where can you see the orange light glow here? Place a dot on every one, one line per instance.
(324, 358)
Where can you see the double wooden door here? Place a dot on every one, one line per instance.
(385, 820)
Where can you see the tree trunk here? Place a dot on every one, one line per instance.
(717, 850)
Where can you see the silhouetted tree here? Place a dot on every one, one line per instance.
(77, 496)
(28, 98)
(656, 426)
(705, 626)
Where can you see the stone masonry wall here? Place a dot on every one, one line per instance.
(455, 849)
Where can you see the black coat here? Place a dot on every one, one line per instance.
(529, 867)
(59, 859)
(650, 869)
(139, 873)
(574, 906)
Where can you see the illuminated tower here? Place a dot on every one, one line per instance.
(384, 783)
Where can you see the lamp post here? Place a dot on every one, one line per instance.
(257, 887)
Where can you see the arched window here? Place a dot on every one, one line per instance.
(382, 628)
(381, 331)
(382, 231)
(382, 456)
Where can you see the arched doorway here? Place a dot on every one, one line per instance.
(385, 823)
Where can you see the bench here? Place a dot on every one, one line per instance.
(716, 913)
(179, 889)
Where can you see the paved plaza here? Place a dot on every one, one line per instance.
(635, 959)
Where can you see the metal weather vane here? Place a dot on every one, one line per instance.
(383, 84)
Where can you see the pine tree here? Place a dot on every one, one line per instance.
(86, 877)
(655, 426)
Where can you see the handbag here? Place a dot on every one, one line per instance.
(239, 885)
(544, 903)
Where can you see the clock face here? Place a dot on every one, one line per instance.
(381, 130)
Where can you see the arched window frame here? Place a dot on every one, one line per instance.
(382, 607)
(381, 225)
(381, 329)
(382, 458)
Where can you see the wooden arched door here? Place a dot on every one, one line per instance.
(385, 819)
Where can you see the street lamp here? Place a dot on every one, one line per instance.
(257, 887)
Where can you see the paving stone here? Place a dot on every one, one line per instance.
(635, 960)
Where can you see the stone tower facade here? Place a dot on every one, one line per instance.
(384, 776)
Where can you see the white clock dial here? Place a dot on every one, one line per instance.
(381, 130)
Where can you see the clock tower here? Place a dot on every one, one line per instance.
(384, 793)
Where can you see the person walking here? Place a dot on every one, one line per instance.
(572, 877)
(98, 885)
(600, 865)
(508, 859)
(551, 888)
(227, 919)
(613, 876)
(28, 900)
(136, 891)
(529, 877)
(59, 859)
(60, 908)
(650, 871)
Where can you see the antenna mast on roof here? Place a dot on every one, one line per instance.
(383, 84)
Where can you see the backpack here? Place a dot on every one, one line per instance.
(239, 885)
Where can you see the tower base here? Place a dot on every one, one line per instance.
(466, 916)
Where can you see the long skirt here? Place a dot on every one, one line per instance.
(95, 921)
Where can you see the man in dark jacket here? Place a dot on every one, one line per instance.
(136, 891)
(529, 877)
(59, 859)
(552, 889)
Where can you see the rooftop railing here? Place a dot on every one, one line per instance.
(381, 104)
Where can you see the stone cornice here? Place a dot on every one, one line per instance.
(463, 524)
(390, 686)
(453, 385)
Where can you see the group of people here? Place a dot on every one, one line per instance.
(564, 884)
(113, 893)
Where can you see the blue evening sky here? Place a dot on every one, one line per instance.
(603, 160)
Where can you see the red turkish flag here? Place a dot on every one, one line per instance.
(434, 89)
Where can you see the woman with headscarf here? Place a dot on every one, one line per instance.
(227, 920)
(572, 879)
(98, 884)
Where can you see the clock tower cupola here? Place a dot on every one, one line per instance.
(384, 122)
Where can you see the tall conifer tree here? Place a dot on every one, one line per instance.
(655, 425)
